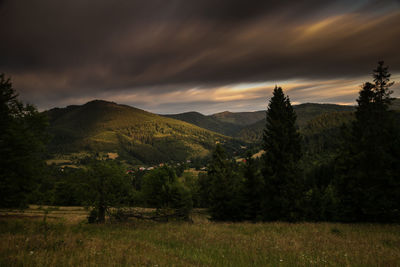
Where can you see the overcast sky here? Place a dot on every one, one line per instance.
(182, 55)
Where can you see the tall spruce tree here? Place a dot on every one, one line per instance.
(282, 174)
(368, 166)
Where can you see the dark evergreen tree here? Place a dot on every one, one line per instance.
(320, 201)
(22, 144)
(382, 86)
(252, 189)
(282, 174)
(368, 166)
(225, 198)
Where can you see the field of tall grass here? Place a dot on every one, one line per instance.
(61, 237)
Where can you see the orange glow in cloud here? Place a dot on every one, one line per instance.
(251, 96)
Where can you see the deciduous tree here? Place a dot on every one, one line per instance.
(108, 186)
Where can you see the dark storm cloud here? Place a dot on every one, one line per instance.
(76, 49)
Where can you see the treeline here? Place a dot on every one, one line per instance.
(106, 188)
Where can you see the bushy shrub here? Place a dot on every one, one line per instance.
(162, 190)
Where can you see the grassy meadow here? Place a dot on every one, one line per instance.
(63, 238)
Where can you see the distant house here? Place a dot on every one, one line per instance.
(150, 168)
(142, 169)
(258, 155)
(129, 171)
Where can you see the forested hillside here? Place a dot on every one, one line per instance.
(318, 123)
(248, 126)
(227, 123)
(208, 122)
(142, 137)
(240, 118)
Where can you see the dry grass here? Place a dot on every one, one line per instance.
(66, 240)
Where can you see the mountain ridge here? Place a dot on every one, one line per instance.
(248, 125)
(135, 134)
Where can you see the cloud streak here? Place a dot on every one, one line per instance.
(193, 51)
(235, 97)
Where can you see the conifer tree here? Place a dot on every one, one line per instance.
(225, 202)
(22, 144)
(252, 189)
(368, 181)
(282, 175)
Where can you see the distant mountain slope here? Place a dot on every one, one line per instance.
(308, 111)
(248, 126)
(207, 122)
(395, 104)
(322, 134)
(316, 121)
(305, 113)
(239, 118)
(100, 126)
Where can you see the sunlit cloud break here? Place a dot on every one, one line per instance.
(236, 97)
